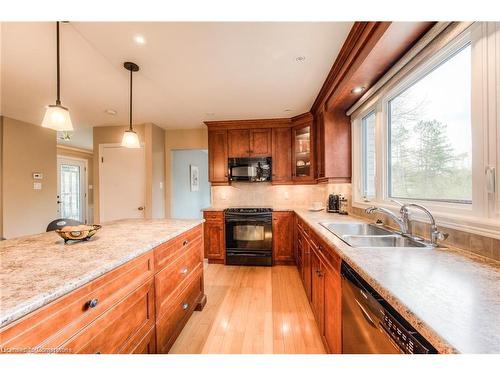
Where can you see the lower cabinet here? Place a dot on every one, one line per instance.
(283, 237)
(320, 272)
(137, 308)
(215, 242)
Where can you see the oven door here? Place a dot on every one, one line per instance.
(248, 233)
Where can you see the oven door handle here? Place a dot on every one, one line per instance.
(247, 220)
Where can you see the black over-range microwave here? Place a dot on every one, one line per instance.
(250, 169)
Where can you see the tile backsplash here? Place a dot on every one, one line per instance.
(265, 194)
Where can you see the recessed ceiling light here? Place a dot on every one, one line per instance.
(211, 114)
(287, 110)
(357, 90)
(300, 58)
(111, 112)
(139, 39)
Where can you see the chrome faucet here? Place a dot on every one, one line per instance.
(404, 220)
(401, 221)
(434, 233)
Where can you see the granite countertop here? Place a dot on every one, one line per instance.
(274, 208)
(450, 296)
(36, 270)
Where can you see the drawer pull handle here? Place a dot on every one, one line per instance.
(184, 271)
(97, 352)
(92, 303)
(185, 242)
(185, 306)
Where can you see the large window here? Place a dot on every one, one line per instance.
(430, 146)
(431, 133)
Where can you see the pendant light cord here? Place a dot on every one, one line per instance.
(130, 118)
(58, 101)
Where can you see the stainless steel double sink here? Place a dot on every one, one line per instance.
(370, 235)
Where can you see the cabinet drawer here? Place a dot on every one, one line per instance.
(117, 326)
(145, 344)
(168, 251)
(52, 325)
(170, 280)
(179, 311)
(213, 216)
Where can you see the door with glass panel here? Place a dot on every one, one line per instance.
(71, 192)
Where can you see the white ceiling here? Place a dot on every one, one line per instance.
(190, 72)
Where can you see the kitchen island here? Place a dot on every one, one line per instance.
(52, 293)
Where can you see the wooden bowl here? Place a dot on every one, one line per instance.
(77, 234)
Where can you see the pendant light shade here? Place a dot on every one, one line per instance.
(56, 116)
(130, 138)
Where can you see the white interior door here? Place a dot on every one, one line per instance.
(122, 180)
(71, 188)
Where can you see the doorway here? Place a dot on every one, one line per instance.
(122, 179)
(72, 188)
(188, 201)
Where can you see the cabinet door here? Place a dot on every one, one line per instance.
(239, 143)
(283, 237)
(260, 142)
(317, 289)
(306, 268)
(282, 155)
(302, 153)
(320, 145)
(217, 154)
(214, 238)
(332, 310)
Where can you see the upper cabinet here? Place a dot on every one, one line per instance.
(333, 142)
(282, 156)
(243, 143)
(303, 166)
(217, 156)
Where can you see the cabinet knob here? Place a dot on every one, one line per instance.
(185, 242)
(97, 352)
(92, 303)
(184, 271)
(185, 306)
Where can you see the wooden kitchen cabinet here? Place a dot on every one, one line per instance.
(333, 162)
(282, 156)
(324, 285)
(245, 143)
(317, 288)
(217, 157)
(139, 307)
(283, 237)
(303, 161)
(214, 235)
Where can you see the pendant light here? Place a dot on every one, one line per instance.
(56, 116)
(130, 138)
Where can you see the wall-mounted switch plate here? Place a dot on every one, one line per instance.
(37, 186)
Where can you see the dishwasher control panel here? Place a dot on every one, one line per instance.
(402, 337)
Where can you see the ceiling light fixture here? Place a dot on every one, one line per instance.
(130, 138)
(300, 58)
(56, 116)
(287, 110)
(139, 39)
(357, 90)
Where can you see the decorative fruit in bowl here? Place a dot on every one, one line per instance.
(78, 232)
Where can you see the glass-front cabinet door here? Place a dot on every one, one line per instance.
(302, 158)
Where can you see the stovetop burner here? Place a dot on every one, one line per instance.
(249, 210)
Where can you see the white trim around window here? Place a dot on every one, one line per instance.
(482, 216)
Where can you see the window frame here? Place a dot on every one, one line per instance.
(364, 155)
(476, 217)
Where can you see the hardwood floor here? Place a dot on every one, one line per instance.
(251, 310)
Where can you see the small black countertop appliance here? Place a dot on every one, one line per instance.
(370, 325)
(333, 203)
(249, 236)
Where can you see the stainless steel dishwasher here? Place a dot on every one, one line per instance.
(371, 325)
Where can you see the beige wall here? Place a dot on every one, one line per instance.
(157, 172)
(26, 149)
(86, 155)
(188, 139)
(153, 139)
